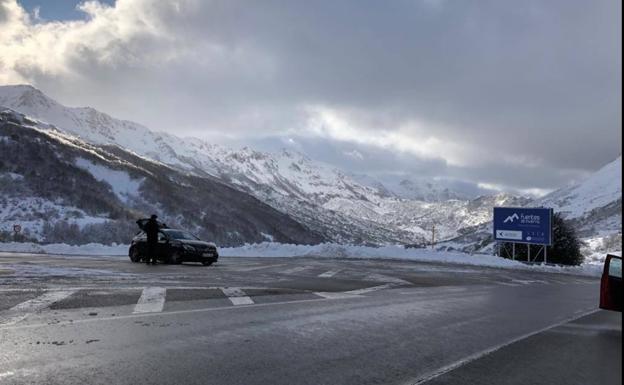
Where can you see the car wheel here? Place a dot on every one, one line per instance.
(175, 258)
(207, 263)
(135, 256)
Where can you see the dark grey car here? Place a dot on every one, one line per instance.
(175, 246)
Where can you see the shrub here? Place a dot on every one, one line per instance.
(565, 250)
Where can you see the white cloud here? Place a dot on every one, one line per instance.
(410, 137)
(133, 32)
(355, 154)
(434, 81)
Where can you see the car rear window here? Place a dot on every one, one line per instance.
(615, 267)
(180, 234)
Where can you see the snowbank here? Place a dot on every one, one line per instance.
(65, 249)
(269, 249)
(327, 250)
(19, 247)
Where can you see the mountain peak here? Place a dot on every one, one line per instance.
(24, 96)
(601, 188)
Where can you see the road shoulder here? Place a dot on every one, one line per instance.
(585, 351)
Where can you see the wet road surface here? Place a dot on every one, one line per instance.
(105, 320)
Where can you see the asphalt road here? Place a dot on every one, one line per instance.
(298, 321)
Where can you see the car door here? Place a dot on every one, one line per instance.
(141, 243)
(611, 284)
(163, 245)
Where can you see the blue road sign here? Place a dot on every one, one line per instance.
(523, 225)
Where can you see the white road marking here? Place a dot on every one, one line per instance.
(386, 278)
(163, 314)
(237, 296)
(524, 281)
(336, 295)
(242, 269)
(329, 274)
(296, 269)
(7, 374)
(152, 300)
(24, 309)
(368, 289)
(507, 284)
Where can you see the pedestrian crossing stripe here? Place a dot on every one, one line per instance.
(20, 311)
(153, 298)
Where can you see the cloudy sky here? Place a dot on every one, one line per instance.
(518, 95)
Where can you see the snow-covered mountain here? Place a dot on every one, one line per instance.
(341, 207)
(61, 189)
(593, 207)
(412, 187)
(599, 190)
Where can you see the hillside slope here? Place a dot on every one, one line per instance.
(593, 207)
(64, 190)
(325, 199)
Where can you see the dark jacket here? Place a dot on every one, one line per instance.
(151, 230)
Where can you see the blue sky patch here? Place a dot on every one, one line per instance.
(57, 9)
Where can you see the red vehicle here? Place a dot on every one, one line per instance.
(611, 284)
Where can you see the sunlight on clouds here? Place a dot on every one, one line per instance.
(245, 71)
(533, 192)
(109, 35)
(410, 137)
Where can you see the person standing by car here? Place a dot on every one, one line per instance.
(151, 230)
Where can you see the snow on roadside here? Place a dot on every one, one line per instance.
(94, 249)
(87, 249)
(268, 249)
(271, 249)
(19, 247)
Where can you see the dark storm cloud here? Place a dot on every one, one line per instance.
(540, 79)
(517, 94)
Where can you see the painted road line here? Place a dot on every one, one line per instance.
(22, 310)
(507, 284)
(253, 268)
(329, 274)
(152, 300)
(335, 295)
(237, 296)
(6, 374)
(369, 289)
(163, 314)
(296, 270)
(386, 278)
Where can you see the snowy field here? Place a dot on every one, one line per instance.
(270, 249)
